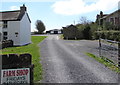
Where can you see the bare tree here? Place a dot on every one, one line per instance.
(84, 20)
(40, 26)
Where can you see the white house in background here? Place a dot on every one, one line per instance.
(16, 26)
(54, 31)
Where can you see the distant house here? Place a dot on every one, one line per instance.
(71, 32)
(113, 18)
(16, 26)
(54, 31)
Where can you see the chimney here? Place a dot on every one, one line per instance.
(23, 8)
(97, 16)
(101, 14)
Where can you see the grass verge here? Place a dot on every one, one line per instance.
(61, 36)
(33, 49)
(107, 62)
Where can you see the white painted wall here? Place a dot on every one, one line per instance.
(51, 32)
(1, 23)
(25, 30)
(59, 32)
(13, 27)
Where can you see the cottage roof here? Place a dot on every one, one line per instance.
(112, 14)
(13, 15)
(71, 26)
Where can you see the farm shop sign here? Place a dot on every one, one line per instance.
(21, 76)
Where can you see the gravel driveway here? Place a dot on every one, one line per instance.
(66, 61)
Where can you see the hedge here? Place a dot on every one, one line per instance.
(111, 35)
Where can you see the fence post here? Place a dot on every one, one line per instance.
(119, 54)
(99, 46)
(0, 67)
(119, 39)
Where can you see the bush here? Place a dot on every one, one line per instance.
(110, 26)
(80, 31)
(87, 30)
(7, 43)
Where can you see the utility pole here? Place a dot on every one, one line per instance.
(74, 22)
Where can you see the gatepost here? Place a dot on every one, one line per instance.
(0, 67)
(119, 44)
(0, 46)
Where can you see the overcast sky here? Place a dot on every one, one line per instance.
(58, 13)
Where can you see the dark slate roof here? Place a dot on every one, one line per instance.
(69, 26)
(117, 11)
(12, 15)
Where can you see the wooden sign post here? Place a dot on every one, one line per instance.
(16, 69)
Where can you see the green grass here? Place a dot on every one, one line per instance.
(61, 36)
(107, 62)
(33, 49)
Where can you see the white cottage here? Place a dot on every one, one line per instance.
(16, 26)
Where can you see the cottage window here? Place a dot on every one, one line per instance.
(4, 38)
(5, 35)
(112, 20)
(116, 20)
(4, 24)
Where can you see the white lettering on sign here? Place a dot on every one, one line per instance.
(15, 76)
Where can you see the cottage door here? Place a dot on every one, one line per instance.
(16, 42)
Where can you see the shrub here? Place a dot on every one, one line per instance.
(7, 43)
(80, 31)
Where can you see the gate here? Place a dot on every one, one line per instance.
(109, 49)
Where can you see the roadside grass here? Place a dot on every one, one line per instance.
(33, 49)
(61, 36)
(107, 62)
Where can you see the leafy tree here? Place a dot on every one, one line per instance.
(40, 26)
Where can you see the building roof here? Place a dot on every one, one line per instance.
(55, 30)
(111, 14)
(114, 13)
(70, 26)
(13, 15)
